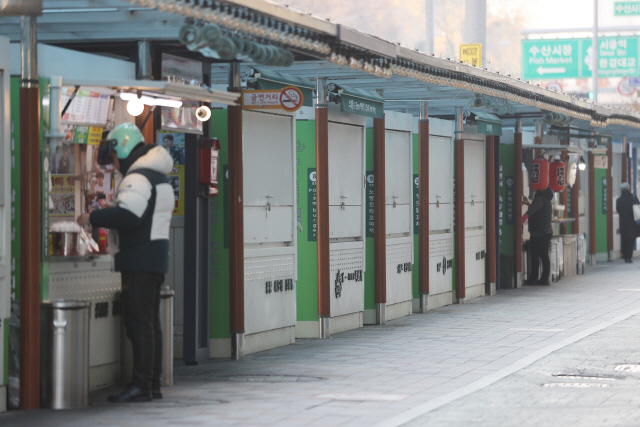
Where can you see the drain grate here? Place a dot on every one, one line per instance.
(627, 368)
(576, 385)
(257, 378)
(584, 377)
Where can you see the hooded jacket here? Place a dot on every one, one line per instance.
(540, 213)
(142, 211)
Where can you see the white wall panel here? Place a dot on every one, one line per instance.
(440, 170)
(399, 254)
(346, 174)
(440, 256)
(347, 285)
(268, 143)
(266, 310)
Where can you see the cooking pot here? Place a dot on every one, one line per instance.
(63, 244)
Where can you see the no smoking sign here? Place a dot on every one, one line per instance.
(291, 98)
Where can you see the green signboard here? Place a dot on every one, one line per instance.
(361, 106)
(488, 124)
(312, 206)
(626, 8)
(571, 58)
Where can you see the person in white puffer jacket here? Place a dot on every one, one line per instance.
(140, 215)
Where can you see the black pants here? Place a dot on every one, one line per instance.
(539, 250)
(141, 307)
(626, 248)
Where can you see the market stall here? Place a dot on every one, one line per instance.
(440, 213)
(399, 214)
(89, 105)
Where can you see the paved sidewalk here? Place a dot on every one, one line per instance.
(379, 375)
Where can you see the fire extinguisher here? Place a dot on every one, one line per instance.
(208, 162)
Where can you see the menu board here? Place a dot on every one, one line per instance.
(86, 107)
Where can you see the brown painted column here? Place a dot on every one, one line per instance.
(458, 206)
(236, 219)
(423, 206)
(610, 230)
(380, 218)
(322, 207)
(491, 213)
(564, 195)
(30, 235)
(517, 203)
(591, 178)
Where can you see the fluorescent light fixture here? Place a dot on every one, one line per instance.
(151, 101)
(135, 107)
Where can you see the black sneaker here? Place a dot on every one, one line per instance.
(628, 261)
(530, 282)
(156, 393)
(542, 282)
(131, 394)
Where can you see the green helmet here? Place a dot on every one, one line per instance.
(126, 137)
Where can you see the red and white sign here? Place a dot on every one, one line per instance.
(259, 99)
(291, 98)
(624, 88)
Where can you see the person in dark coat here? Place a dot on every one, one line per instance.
(628, 228)
(539, 215)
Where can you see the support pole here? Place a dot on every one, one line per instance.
(30, 236)
(431, 28)
(491, 214)
(459, 230)
(594, 53)
(591, 178)
(624, 164)
(379, 212)
(610, 230)
(236, 218)
(564, 195)
(322, 207)
(537, 139)
(423, 206)
(517, 203)
(475, 24)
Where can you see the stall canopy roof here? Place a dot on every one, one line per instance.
(264, 75)
(171, 89)
(407, 76)
(368, 95)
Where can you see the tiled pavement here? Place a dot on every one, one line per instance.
(379, 375)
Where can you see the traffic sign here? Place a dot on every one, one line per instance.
(571, 58)
(471, 54)
(291, 98)
(626, 8)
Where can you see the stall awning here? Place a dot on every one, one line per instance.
(488, 124)
(171, 89)
(358, 101)
(268, 79)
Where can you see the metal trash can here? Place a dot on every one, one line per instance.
(570, 252)
(555, 256)
(64, 354)
(581, 253)
(166, 323)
